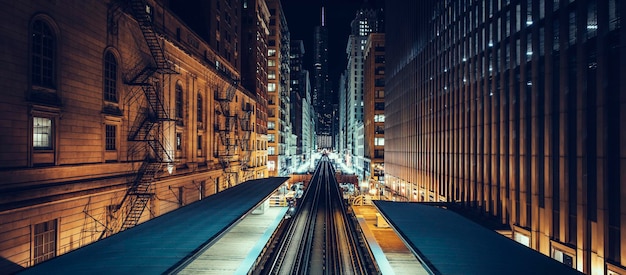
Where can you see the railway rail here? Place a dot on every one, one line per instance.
(320, 237)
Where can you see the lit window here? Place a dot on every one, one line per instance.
(563, 257)
(271, 150)
(271, 125)
(179, 141)
(379, 141)
(521, 238)
(42, 133)
(43, 50)
(271, 74)
(379, 118)
(110, 77)
(271, 52)
(271, 63)
(44, 241)
(271, 87)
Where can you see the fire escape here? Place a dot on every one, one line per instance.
(246, 150)
(147, 130)
(226, 127)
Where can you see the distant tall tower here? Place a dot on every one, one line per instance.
(322, 101)
(366, 21)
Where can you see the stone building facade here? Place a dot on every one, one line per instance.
(111, 108)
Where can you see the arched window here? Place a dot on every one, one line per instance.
(110, 77)
(179, 101)
(43, 55)
(200, 111)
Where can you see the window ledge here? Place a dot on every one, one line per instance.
(44, 96)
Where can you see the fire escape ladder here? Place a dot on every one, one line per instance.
(144, 18)
(226, 126)
(142, 126)
(244, 137)
(139, 194)
(148, 126)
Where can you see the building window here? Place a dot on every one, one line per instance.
(271, 52)
(271, 138)
(149, 12)
(563, 257)
(179, 101)
(43, 61)
(379, 141)
(110, 77)
(271, 74)
(199, 142)
(379, 118)
(379, 82)
(42, 133)
(521, 238)
(380, 130)
(110, 137)
(271, 125)
(271, 63)
(380, 93)
(271, 87)
(271, 150)
(179, 141)
(200, 112)
(44, 241)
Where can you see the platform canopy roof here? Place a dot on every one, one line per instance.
(449, 243)
(164, 243)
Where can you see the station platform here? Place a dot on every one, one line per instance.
(448, 243)
(236, 251)
(388, 249)
(171, 241)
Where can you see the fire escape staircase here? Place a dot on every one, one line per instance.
(245, 125)
(226, 127)
(148, 125)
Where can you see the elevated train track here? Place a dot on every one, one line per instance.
(320, 238)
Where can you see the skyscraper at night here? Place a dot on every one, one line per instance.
(278, 72)
(366, 21)
(514, 109)
(322, 98)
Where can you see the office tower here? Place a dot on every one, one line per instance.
(364, 23)
(255, 32)
(342, 141)
(300, 101)
(511, 108)
(322, 96)
(254, 39)
(279, 128)
(374, 109)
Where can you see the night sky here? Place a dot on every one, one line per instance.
(304, 15)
